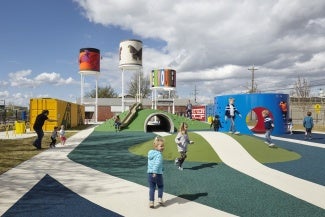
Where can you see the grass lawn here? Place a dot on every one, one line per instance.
(15, 151)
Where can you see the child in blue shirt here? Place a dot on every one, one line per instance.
(155, 171)
(308, 124)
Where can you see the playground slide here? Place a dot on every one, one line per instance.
(128, 118)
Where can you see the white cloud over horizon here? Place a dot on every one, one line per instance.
(219, 40)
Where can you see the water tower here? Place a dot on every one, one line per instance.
(89, 65)
(162, 79)
(130, 59)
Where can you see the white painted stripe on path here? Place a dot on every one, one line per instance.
(301, 142)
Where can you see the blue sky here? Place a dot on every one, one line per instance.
(211, 44)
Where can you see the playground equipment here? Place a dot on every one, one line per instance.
(129, 117)
(253, 105)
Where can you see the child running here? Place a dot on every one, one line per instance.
(268, 125)
(182, 140)
(155, 171)
(54, 135)
(62, 135)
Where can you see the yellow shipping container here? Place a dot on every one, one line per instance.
(67, 113)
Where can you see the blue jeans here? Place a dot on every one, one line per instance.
(153, 182)
(232, 125)
(38, 141)
(268, 136)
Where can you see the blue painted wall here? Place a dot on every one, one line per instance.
(247, 102)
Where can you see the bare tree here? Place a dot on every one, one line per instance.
(103, 92)
(133, 85)
(302, 88)
(302, 94)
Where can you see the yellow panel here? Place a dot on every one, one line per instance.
(66, 113)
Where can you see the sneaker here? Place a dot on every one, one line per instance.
(151, 204)
(271, 145)
(180, 168)
(236, 133)
(230, 132)
(160, 201)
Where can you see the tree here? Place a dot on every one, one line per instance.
(144, 83)
(302, 93)
(103, 92)
(302, 88)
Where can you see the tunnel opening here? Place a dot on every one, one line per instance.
(255, 120)
(158, 122)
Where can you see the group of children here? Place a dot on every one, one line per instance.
(58, 133)
(155, 158)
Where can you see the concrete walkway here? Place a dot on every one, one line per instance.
(235, 156)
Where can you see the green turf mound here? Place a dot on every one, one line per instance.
(200, 151)
(138, 122)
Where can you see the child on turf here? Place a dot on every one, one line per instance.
(308, 124)
(268, 125)
(62, 135)
(216, 123)
(53, 137)
(155, 171)
(117, 123)
(290, 125)
(182, 140)
(230, 113)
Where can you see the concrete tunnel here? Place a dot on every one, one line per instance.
(158, 122)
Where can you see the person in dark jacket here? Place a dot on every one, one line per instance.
(216, 123)
(38, 127)
(230, 113)
(268, 125)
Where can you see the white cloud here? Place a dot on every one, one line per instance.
(214, 42)
(4, 94)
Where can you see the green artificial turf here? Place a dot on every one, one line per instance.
(212, 184)
(137, 124)
(200, 151)
(262, 152)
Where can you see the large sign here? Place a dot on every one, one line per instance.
(198, 113)
(165, 78)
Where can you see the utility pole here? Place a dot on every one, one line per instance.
(253, 69)
(195, 93)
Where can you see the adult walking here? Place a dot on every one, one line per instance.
(38, 127)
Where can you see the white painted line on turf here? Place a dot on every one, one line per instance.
(301, 142)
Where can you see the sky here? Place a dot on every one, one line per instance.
(211, 45)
